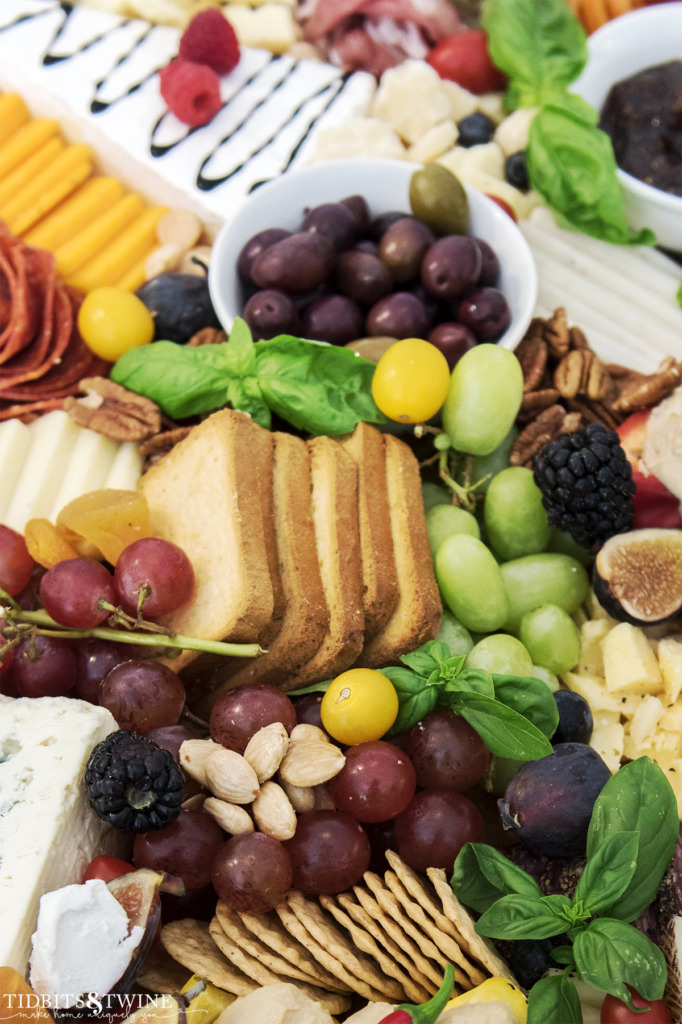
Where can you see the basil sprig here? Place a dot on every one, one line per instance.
(570, 162)
(513, 716)
(322, 389)
(631, 840)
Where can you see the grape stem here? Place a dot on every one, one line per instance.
(14, 615)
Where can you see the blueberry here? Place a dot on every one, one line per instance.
(475, 130)
(516, 172)
(575, 718)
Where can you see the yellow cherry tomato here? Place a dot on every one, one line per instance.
(496, 990)
(112, 321)
(360, 705)
(411, 381)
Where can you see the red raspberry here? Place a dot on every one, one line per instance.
(192, 91)
(210, 39)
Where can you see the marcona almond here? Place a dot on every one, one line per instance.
(302, 797)
(266, 748)
(193, 757)
(230, 777)
(273, 812)
(180, 228)
(308, 732)
(309, 762)
(166, 257)
(231, 817)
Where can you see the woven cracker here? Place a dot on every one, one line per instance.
(270, 931)
(329, 962)
(469, 975)
(323, 929)
(190, 943)
(480, 948)
(364, 941)
(421, 891)
(406, 954)
(399, 935)
(251, 966)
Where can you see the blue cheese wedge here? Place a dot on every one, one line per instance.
(48, 832)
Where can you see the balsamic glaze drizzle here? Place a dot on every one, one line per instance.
(203, 182)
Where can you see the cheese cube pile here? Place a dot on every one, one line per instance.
(632, 679)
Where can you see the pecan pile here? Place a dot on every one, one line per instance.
(566, 386)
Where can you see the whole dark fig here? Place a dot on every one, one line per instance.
(180, 304)
(548, 804)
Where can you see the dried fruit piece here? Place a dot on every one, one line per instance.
(107, 520)
(45, 544)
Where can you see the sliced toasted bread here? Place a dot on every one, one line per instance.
(380, 590)
(306, 616)
(337, 536)
(417, 615)
(207, 497)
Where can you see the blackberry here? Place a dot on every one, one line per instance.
(586, 483)
(134, 784)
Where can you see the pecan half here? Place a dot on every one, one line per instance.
(581, 372)
(533, 402)
(207, 336)
(536, 435)
(649, 390)
(531, 352)
(113, 411)
(556, 333)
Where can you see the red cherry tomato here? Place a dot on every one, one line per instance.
(614, 1011)
(654, 504)
(503, 205)
(107, 868)
(464, 58)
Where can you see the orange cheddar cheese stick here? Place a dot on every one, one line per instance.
(100, 232)
(75, 213)
(25, 141)
(57, 181)
(27, 171)
(121, 254)
(13, 114)
(137, 275)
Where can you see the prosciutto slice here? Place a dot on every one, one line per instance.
(373, 35)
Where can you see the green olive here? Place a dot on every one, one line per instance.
(439, 200)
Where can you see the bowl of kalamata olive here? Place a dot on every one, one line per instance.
(633, 78)
(376, 249)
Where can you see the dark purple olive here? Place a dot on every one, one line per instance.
(486, 312)
(255, 246)
(336, 319)
(451, 265)
(490, 265)
(382, 223)
(270, 312)
(360, 210)
(363, 277)
(401, 315)
(333, 220)
(367, 245)
(296, 263)
(402, 248)
(453, 340)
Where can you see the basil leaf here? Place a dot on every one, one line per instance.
(572, 166)
(563, 955)
(610, 954)
(503, 731)
(182, 381)
(427, 658)
(324, 389)
(245, 394)
(521, 917)
(555, 999)
(313, 688)
(471, 680)
(241, 350)
(608, 873)
(531, 698)
(638, 798)
(416, 700)
(540, 46)
(482, 874)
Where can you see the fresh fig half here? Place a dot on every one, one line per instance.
(637, 576)
(138, 894)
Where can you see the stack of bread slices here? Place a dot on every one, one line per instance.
(317, 550)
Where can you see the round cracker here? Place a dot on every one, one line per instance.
(364, 941)
(190, 943)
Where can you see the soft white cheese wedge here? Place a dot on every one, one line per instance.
(48, 832)
(81, 944)
(54, 436)
(15, 441)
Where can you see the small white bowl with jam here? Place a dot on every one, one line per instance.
(647, 40)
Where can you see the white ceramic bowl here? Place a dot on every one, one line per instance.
(618, 50)
(385, 186)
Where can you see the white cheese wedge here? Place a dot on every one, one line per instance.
(43, 471)
(48, 832)
(15, 441)
(81, 944)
